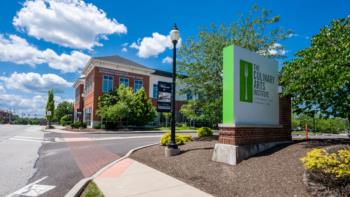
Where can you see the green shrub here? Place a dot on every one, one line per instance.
(78, 124)
(66, 120)
(204, 132)
(180, 139)
(98, 126)
(327, 171)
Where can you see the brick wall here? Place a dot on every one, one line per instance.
(255, 135)
(79, 101)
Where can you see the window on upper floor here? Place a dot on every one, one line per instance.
(189, 95)
(124, 81)
(107, 83)
(138, 84)
(77, 94)
(88, 84)
(155, 91)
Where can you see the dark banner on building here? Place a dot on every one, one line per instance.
(164, 97)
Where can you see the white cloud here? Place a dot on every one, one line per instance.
(17, 50)
(2, 89)
(69, 23)
(274, 50)
(167, 60)
(34, 105)
(18, 103)
(153, 46)
(124, 49)
(34, 82)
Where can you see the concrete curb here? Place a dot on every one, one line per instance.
(117, 132)
(78, 187)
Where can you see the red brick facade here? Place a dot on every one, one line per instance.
(79, 102)
(256, 135)
(90, 99)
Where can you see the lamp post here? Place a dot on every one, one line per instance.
(172, 149)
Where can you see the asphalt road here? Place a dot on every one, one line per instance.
(31, 156)
(19, 147)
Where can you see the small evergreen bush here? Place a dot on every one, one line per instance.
(180, 139)
(66, 120)
(98, 126)
(78, 124)
(204, 132)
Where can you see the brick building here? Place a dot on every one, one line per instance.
(5, 116)
(103, 74)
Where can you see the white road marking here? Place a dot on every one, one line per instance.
(82, 139)
(33, 189)
(29, 139)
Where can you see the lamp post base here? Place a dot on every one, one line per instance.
(170, 151)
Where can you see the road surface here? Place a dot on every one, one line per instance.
(50, 164)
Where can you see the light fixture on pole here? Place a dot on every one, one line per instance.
(172, 149)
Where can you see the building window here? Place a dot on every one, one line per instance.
(124, 81)
(155, 91)
(107, 83)
(138, 85)
(88, 84)
(88, 116)
(189, 95)
(77, 94)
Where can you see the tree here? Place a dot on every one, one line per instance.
(201, 59)
(124, 104)
(64, 108)
(50, 108)
(318, 79)
(142, 111)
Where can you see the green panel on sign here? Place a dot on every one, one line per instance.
(228, 84)
(245, 81)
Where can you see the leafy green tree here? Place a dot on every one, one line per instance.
(64, 108)
(124, 104)
(142, 110)
(318, 79)
(201, 58)
(50, 108)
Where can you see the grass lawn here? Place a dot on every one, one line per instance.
(92, 190)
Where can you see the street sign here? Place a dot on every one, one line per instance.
(48, 113)
(164, 97)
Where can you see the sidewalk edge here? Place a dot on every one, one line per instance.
(78, 187)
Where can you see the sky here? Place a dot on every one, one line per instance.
(45, 43)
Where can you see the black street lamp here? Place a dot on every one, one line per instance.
(172, 148)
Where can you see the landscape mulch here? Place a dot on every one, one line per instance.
(277, 172)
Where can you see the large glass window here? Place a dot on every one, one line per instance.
(138, 85)
(107, 83)
(88, 84)
(155, 91)
(124, 81)
(189, 95)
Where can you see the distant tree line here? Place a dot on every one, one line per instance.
(319, 124)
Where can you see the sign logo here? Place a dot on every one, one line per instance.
(245, 81)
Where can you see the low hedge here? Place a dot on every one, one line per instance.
(66, 120)
(204, 132)
(180, 139)
(78, 124)
(327, 171)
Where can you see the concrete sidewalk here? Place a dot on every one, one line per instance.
(131, 178)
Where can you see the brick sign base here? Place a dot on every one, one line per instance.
(237, 143)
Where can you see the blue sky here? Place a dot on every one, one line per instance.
(45, 44)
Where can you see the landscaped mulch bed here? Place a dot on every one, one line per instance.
(277, 172)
